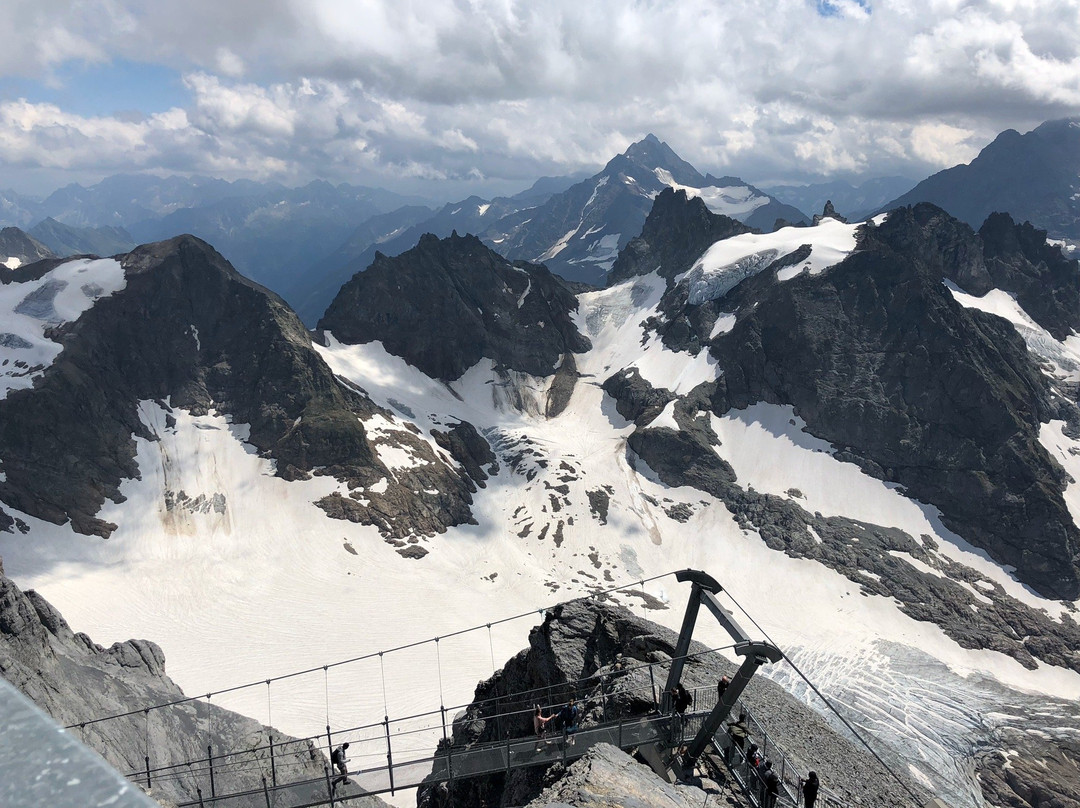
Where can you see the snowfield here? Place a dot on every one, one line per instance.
(239, 577)
(28, 309)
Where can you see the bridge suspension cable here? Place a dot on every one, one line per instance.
(364, 657)
(830, 705)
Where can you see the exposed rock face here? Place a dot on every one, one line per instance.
(828, 212)
(75, 680)
(606, 776)
(1032, 176)
(445, 304)
(879, 360)
(593, 652)
(1044, 774)
(190, 330)
(677, 231)
(17, 244)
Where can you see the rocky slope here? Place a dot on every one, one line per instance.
(606, 776)
(446, 303)
(18, 247)
(1033, 177)
(75, 680)
(880, 360)
(186, 330)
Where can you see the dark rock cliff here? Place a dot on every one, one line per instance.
(880, 361)
(189, 330)
(677, 231)
(446, 303)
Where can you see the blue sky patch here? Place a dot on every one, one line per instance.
(121, 86)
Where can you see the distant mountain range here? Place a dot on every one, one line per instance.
(576, 230)
(305, 243)
(853, 202)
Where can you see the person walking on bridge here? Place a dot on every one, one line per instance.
(540, 725)
(568, 718)
(738, 732)
(338, 760)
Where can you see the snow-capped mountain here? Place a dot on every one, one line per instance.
(578, 233)
(867, 433)
(1034, 177)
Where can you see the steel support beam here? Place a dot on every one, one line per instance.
(755, 655)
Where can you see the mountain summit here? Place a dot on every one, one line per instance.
(1034, 177)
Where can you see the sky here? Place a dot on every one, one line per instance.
(440, 98)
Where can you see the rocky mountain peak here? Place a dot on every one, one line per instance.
(446, 303)
(678, 230)
(651, 153)
(187, 329)
(1032, 176)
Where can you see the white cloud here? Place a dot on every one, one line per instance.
(374, 89)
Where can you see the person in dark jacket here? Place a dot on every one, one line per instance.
(738, 732)
(809, 790)
(721, 687)
(683, 699)
(568, 719)
(772, 785)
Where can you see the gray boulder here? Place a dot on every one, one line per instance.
(606, 776)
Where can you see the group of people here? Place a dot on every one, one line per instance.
(768, 783)
(566, 719)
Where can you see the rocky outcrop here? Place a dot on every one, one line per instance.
(606, 775)
(828, 212)
(879, 360)
(635, 399)
(677, 231)
(75, 680)
(596, 652)
(447, 303)
(188, 331)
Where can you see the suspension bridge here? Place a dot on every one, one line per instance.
(627, 706)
